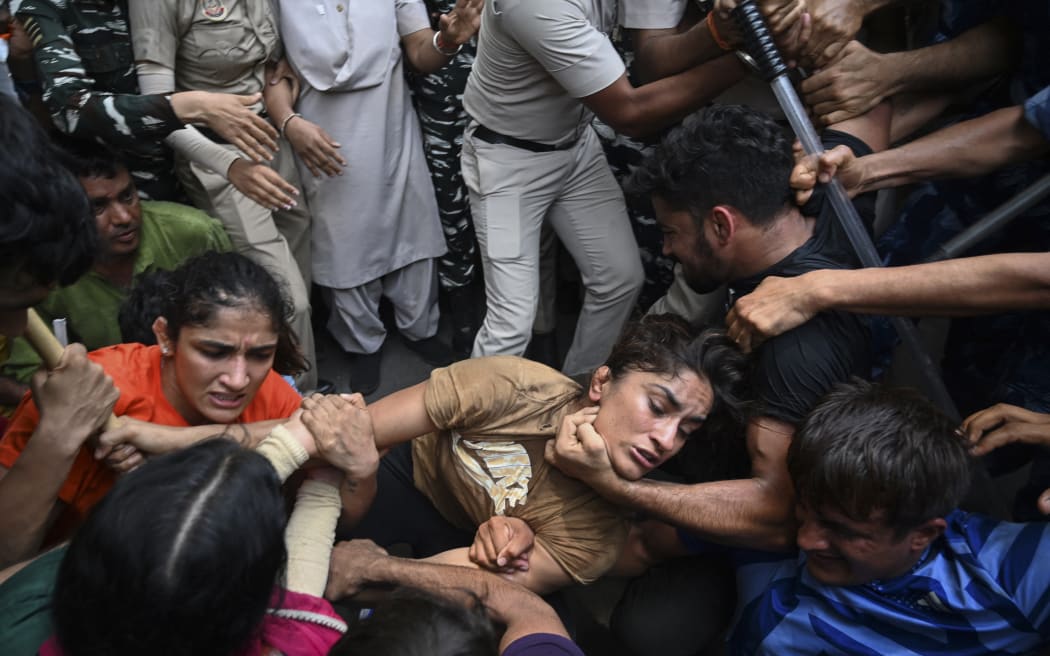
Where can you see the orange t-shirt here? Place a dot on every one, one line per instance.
(135, 370)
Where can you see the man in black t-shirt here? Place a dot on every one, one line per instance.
(720, 187)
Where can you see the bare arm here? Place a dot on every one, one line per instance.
(860, 78)
(963, 150)
(544, 574)
(361, 563)
(659, 53)
(314, 147)
(755, 512)
(648, 109)
(959, 287)
(966, 149)
(401, 416)
(156, 439)
(74, 400)
(455, 28)
(645, 110)
(342, 428)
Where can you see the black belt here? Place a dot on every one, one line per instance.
(493, 137)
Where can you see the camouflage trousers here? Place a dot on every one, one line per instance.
(439, 103)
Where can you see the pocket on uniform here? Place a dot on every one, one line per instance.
(500, 208)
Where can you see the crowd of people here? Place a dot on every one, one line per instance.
(192, 189)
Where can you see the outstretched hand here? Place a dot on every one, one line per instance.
(262, 184)
(502, 545)
(232, 117)
(462, 23)
(1003, 424)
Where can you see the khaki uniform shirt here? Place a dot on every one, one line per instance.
(495, 415)
(212, 45)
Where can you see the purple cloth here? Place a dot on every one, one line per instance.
(542, 644)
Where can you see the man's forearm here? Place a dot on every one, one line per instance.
(519, 609)
(28, 495)
(977, 54)
(960, 287)
(646, 110)
(745, 512)
(966, 149)
(661, 53)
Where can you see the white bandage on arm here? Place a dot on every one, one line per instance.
(188, 142)
(310, 535)
(283, 451)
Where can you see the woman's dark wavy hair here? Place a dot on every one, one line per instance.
(48, 228)
(145, 302)
(209, 282)
(179, 559)
(412, 622)
(666, 344)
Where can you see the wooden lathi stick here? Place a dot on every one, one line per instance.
(49, 350)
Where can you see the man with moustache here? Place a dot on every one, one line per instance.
(135, 237)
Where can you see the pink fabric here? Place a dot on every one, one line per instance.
(287, 636)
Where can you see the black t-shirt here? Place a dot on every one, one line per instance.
(792, 371)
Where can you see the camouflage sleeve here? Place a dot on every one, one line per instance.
(77, 106)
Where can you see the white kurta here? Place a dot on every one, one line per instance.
(380, 215)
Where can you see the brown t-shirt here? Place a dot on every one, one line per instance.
(495, 415)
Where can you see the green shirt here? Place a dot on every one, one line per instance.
(25, 605)
(170, 234)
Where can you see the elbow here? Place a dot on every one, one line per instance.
(630, 122)
(780, 538)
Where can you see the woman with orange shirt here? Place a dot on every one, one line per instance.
(221, 341)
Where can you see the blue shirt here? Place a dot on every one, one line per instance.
(981, 588)
(1037, 111)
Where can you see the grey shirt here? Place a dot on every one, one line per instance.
(652, 14)
(535, 59)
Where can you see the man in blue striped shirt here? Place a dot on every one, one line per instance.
(886, 564)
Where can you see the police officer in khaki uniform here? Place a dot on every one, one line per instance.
(225, 45)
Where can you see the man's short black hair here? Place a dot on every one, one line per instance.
(867, 449)
(721, 155)
(48, 229)
(88, 159)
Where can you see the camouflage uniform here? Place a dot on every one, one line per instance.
(439, 103)
(85, 64)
